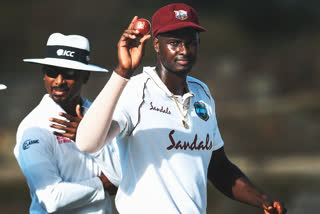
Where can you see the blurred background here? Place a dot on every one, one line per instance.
(260, 60)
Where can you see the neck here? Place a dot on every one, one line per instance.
(70, 107)
(175, 82)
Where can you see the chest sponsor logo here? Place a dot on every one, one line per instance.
(161, 109)
(195, 145)
(62, 140)
(26, 144)
(201, 110)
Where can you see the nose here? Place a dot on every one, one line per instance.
(183, 49)
(59, 80)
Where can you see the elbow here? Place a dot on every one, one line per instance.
(88, 143)
(86, 148)
(49, 204)
(51, 199)
(83, 148)
(81, 145)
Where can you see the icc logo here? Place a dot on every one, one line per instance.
(62, 52)
(181, 14)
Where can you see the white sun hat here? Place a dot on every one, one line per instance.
(2, 87)
(67, 51)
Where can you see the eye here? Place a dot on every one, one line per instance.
(192, 43)
(174, 43)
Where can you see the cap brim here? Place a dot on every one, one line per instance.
(64, 63)
(2, 87)
(178, 26)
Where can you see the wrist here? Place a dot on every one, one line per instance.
(123, 73)
(266, 201)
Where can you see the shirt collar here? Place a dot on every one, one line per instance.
(151, 72)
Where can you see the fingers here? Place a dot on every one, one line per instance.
(276, 207)
(132, 21)
(130, 32)
(130, 50)
(63, 128)
(58, 121)
(69, 132)
(67, 116)
(280, 207)
(78, 111)
(69, 127)
(268, 210)
(143, 41)
(145, 38)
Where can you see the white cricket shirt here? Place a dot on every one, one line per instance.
(60, 177)
(164, 165)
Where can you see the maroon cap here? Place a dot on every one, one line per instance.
(174, 17)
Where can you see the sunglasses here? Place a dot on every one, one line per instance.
(54, 72)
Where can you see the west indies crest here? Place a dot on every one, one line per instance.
(201, 110)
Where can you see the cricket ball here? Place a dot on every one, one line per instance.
(142, 25)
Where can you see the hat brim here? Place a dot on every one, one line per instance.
(64, 63)
(2, 87)
(178, 26)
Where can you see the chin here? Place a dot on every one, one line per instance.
(183, 70)
(60, 101)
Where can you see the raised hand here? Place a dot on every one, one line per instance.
(130, 50)
(69, 126)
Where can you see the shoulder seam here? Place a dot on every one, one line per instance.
(201, 87)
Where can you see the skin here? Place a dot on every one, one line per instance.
(66, 93)
(176, 55)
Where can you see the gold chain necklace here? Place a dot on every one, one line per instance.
(184, 123)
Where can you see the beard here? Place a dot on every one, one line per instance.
(63, 102)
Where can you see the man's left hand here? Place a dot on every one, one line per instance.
(275, 208)
(69, 126)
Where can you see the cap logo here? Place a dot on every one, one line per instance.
(62, 52)
(181, 14)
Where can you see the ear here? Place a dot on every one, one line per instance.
(156, 44)
(86, 77)
(43, 73)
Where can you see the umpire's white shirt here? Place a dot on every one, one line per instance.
(60, 177)
(164, 165)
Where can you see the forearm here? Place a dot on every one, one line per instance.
(66, 196)
(95, 124)
(231, 181)
(245, 191)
